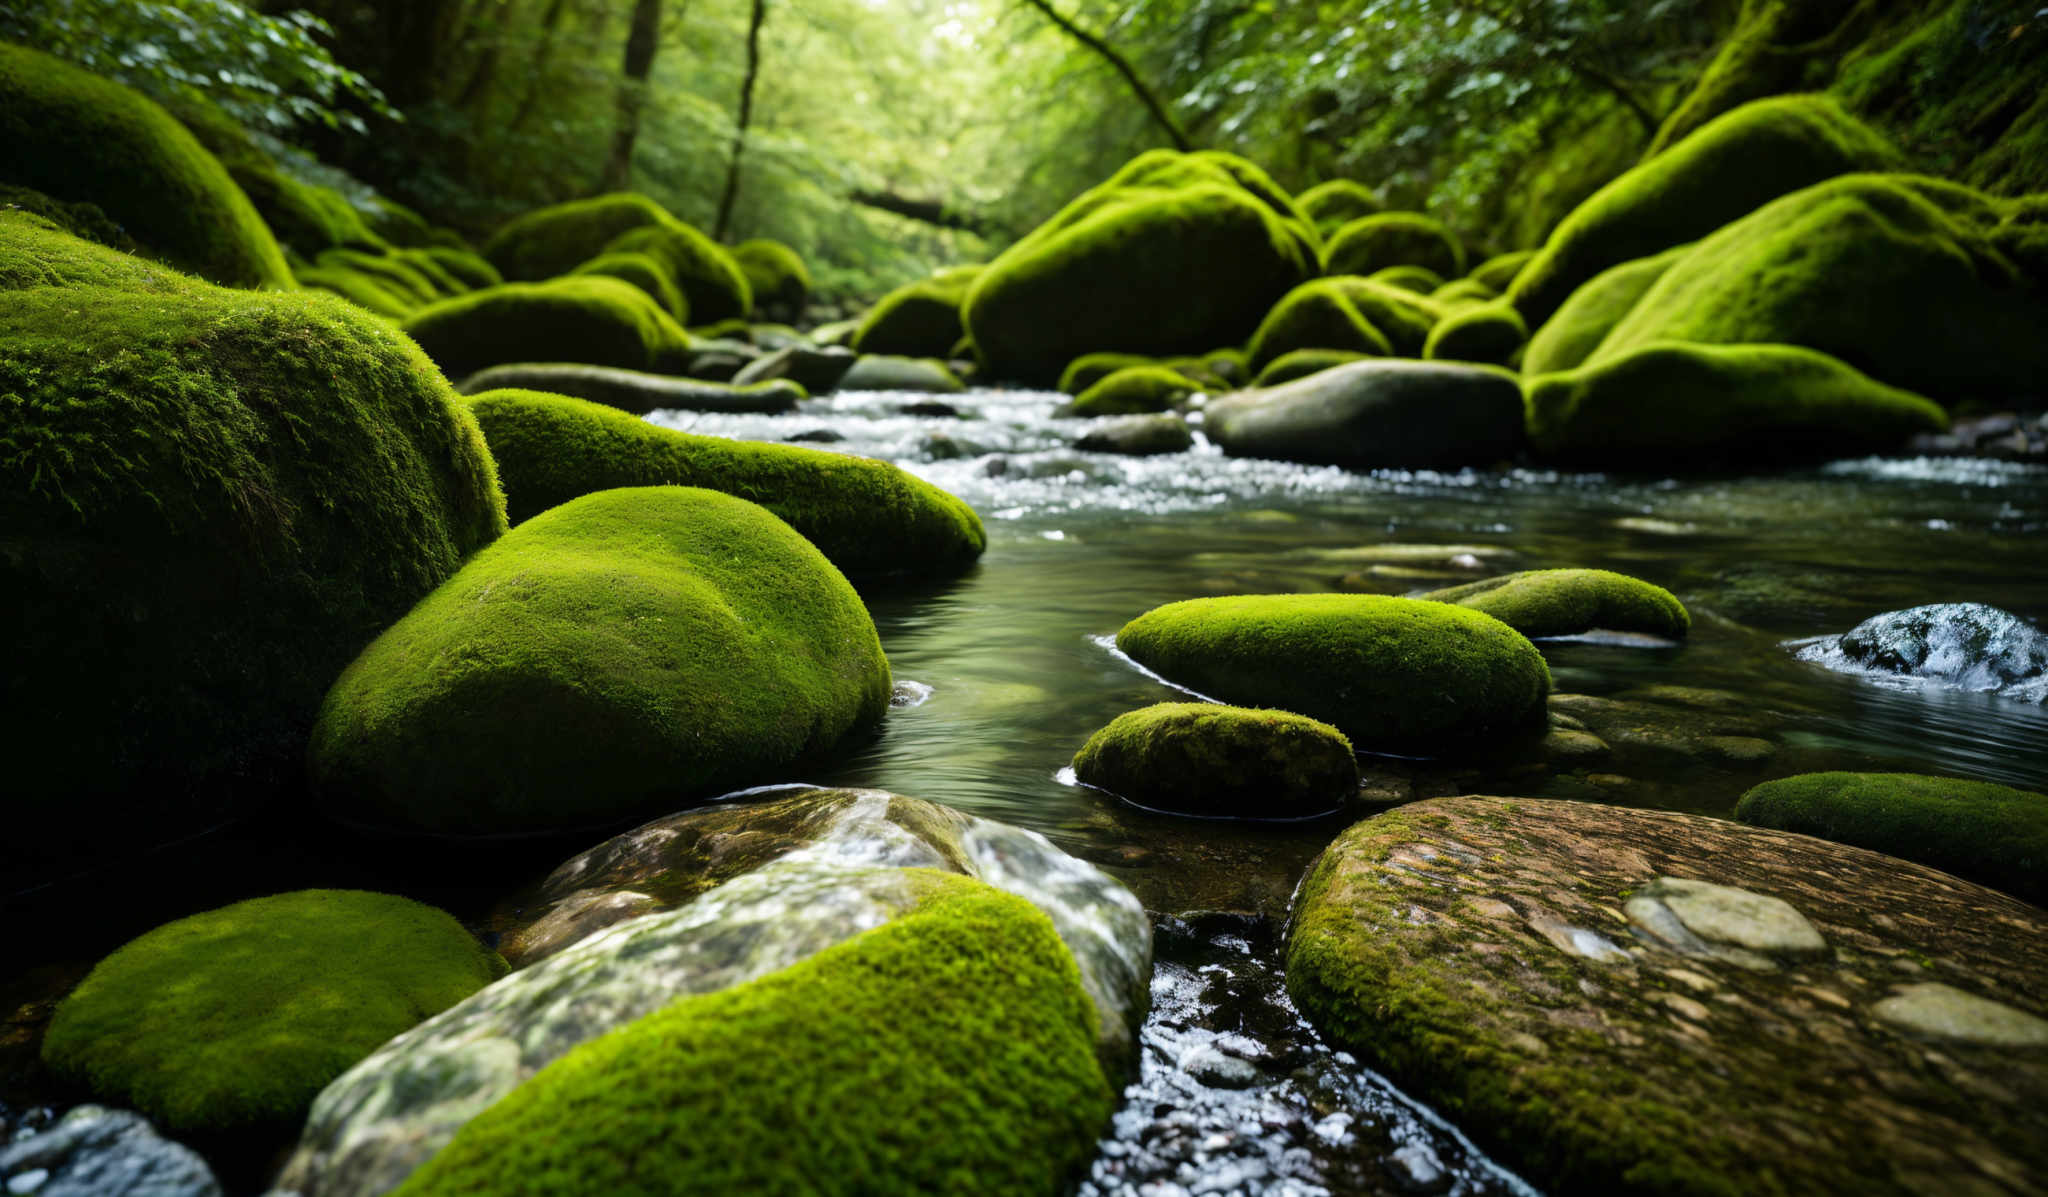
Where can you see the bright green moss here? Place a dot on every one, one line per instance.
(1725, 170)
(240, 1016)
(1203, 759)
(1353, 314)
(1337, 203)
(1090, 368)
(1671, 404)
(306, 217)
(1373, 243)
(370, 294)
(646, 272)
(1390, 673)
(394, 274)
(1498, 273)
(553, 241)
(1134, 391)
(1490, 333)
(468, 267)
(1566, 602)
(600, 321)
(868, 516)
(712, 283)
(617, 655)
(1300, 363)
(920, 319)
(83, 220)
(217, 497)
(776, 273)
(1575, 331)
(430, 267)
(949, 1050)
(82, 139)
(1419, 279)
(1991, 834)
(1462, 292)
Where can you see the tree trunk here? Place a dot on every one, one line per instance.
(641, 41)
(537, 71)
(932, 212)
(485, 73)
(1124, 68)
(739, 135)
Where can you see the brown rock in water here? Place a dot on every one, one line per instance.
(1638, 1001)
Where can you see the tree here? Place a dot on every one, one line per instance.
(1124, 68)
(746, 114)
(642, 39)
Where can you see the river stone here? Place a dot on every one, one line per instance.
(880, 372)
(97, 1152)
(1377, 413)
(816, 370)
(1476, 950)
(634, 390)
(1727, 916)
(750, 889)
(1945, 1012)
(1963, 646)
(1138, 436)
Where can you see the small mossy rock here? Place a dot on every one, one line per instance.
(1377, 414)
(867, 516)
(96, 1152)
(1300, 363)
(1373, 243)
(217, 497)
(1575, 331)
(1199, 758)
(590, 319)
(1960, 646)
(445, 281)
(1138, 436)
(713, 285)
(1419, 279)
(1673, 405)
(80, 138)
(637, 391)
(240, 1016)
(1390, 673)
(469, 267)
(1354, 314)
(1090, 368)
(1135, 390)
(1498, 273)
(921, 319)
(1492, 333)
(1462, 292)
(625, 650)
(777, 276)
(1991, 834)
(1477, 951)
(1332, 205)
(554, 240)
(393, 274)
(1725, 170)
(362, 290)
(646, 272)
(884, 372)
(1566, 602)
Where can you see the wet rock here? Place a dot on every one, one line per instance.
(1377, 413)
(1724, 916)
(1568, 602)
(1415, 1169)
(816, 370)
(932, 409)
(1138, 436)
(720, 359)
(1945, 1012)
(1961, 646)
(1209, 1065)
(97, 1152)
(1207, 759)
(634, 390)
(815, 436)
(877, 372)
(1660, 727)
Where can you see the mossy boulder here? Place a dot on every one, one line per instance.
(392, 273)
(398, 224)
(82, 139)
(1135, 391)
(1566, 602)
(238, 1017)
(1374, 414)
(920, 319)
(1200, 758)
(555, 240)
(1419, 279)
(1333, 204)
(216, 497)
(867, 516)
(1498, 273)
(1345, 312)
(1138, 436)
(1300, 363)
(1393, 674)
(637, 391)
(1992, 834)
(1575, 331)
(364, 291)
(1674, 405)
(1492, 333)
(1462, 292)
(646, 272)
(1721, 172)
(777, 276)
(1373, 243)
(889, 372)
(83, 220)
(1090, 368)
(307, 217)
(628, 650)
(470, 268)
(712, 283)
(591, 319)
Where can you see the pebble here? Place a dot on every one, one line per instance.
(1945, 1012)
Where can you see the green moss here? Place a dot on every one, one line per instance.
(468, 266)
(218, 498)
(553, 241)
(368, 293)
(646, 272)
(712, 283)
(1727, 169)
(950, 1049)
(1336, 203)
(1419, 279)
(1373, 243)
(1491, 333)
(1135, 390)
(921, 319)
(240, 1016)
(1566, 602)
(399, 224)
(1300, 363)
(776, 273)
(1498, 273)
(867, 516)
(1396, 674)
(1672, 404)
(1462, 292)
(430, 267)
(306, 217)
(1571, 335)
(601, 321)
(82, 220)
(394, 274)
(1991, 834)
(1353, 314)
(82, 139)
(1204, 759)
(1090, 368)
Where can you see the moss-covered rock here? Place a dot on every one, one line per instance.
(470, 268)
(1354, 314)
(1571, 334)
(627, 650)
(1300, 363)
(1566, 602)
(1462, 292)
(1203, 759)
(887, 372)
(867, 516)
(1492, 333)
(920, 319)
(646, 272)
(82, 139)
(713, 285)
(398, 224)
(392, 273)
(1138, 436)
(1722, 172)
(776, 274)
(217, 498)
(554, 240)
(1336, 203)
(1992, 834)
(1373, 243)
(1419, 279)
(307, 217)
(637, 391)
(1498, 273)
(1135, 391)
(1670, 405)
(240, 1016)
(591, 319)
(1207, 372)
(1390, 673)
(366, 292)
(82, 220)
(1375, 414)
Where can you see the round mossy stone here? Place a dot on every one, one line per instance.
(1300, 363)
(1497, 273)
(1566, 602)
(646, 272)
(240, 1016)
(776, 274)
(1991, 834)
(621, 653)
(1135, 390)
(1090, 368)
(1374, 243)
(1572, 335)
(469, 267)
(1353, 314)
(713, 285)
(1336, 203)
(1377, 413)
(920, 319)
(1390, 673)
(1419, 279)
(1489, 333)
(583, 318)
(1203, 759)
(552, 241)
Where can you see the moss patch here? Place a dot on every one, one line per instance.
(712, 283)
(1352, 314)
(1490, 333)
(776, 273)
(1300, 363)
(1135, 391)
(1571, 336)
(1336, 203)
(1373, 243)
(921, 319)
(646, 272)
(592, 319)
(553, 241)
(1204, 759)
(1565, 602)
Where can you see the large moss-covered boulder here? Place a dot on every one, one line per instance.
(1725, 170)
(1566, 602)
(867, 516)
(1992, 834)
(1204, 759)
(628, 650)
(1575, 331)
(213, 499)
(1333, 204)
(777, 276)
(555, 240)
(1390, 673)
(240, 1016)
(82, 139)
(920, 319)
(1135, 390)
(1357, 315)
(1387, 239)
(712, 283)
(588, 318)
(646, 272)
(1375, 414)
(1642, 1002)
(1673, 405)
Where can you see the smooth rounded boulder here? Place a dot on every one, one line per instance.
(590, 319)
(1960, 646)
(1345, 312)
(919, 319)
(638, 391)
(1567, 602)
(1575, 331)
(1202, 758)
(1387, 239)
(1376, 414)
(1135, 390)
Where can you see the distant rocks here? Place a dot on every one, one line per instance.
(1138, 436)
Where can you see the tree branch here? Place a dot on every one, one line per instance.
(932, 212)
(1123, 67)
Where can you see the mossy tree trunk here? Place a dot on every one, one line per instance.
(643, 38)
(1123, 66)
(746, 115)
